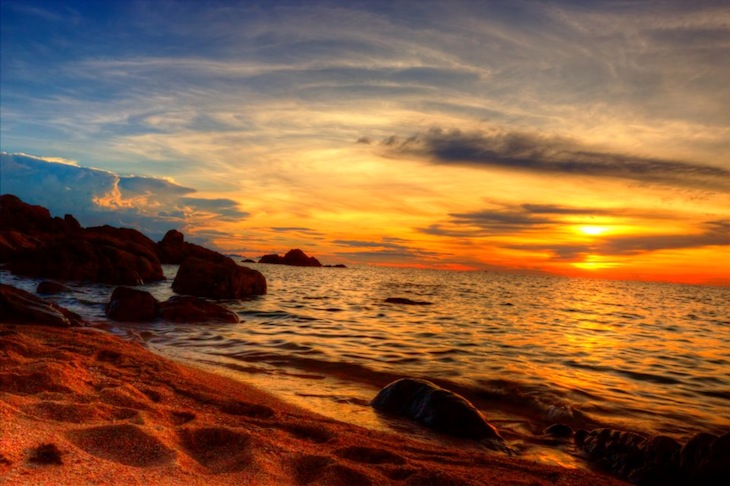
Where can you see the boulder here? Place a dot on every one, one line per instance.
(217, 278)
(173, 249)
(296, 258)
(51, 288)
(187, 308)
(705, 459)
(435, 407)
(21, 307)
(132, 305)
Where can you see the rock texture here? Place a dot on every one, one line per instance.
(404, 301)
(21, 307)
(296, 258)
(435, 407)
(217, 278)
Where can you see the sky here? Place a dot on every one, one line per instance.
(567, 137)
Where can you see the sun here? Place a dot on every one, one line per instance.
(592, 230)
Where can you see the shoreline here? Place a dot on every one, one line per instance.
(119, 413)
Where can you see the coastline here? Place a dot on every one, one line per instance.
(117, 413)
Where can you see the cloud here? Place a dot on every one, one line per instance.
(149, 204)
(552, 155)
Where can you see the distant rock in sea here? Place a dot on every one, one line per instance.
(404, 301)
(296, 258)
(435, 407)
(339, 265)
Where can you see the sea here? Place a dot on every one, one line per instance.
(528, 351)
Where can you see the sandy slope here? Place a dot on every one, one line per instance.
(119, 414)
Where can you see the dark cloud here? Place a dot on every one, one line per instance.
(297, 229)
(553, 155)
(370, 244)
(365, 140)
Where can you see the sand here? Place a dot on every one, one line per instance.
(79, 406)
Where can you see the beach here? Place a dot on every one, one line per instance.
(80, 406)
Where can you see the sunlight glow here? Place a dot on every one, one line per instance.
(592, 230)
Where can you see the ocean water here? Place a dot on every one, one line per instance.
(527, 350)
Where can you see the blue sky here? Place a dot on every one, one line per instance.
(382, 132)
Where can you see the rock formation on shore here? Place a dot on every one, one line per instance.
(20, 307)
(435, 407)
(132, 305)
(36, 245)
(296, 258)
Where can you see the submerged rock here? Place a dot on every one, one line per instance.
(186, 308)
(217, 278)
(558, 430)
(20, 307)
(132, 305)
(435, 407)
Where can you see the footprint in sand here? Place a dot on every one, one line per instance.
(311, 434)
(220, 449)
(369, 455)
(324, 470)
(126, 444)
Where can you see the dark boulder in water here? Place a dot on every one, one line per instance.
(48, 287)
(704, 459)
(295, 258)
(217, 278)
(404, 301)
(174, 249)
(20, 307)
(187, 308)
(435, 407)
(132, 305)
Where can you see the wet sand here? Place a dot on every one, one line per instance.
(79, 406)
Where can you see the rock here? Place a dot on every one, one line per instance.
(705, 459)
(217, 278)
(21, 307)
(296, 258)
(92, 260)
(435, 407)
(132, 305)
(193, 309)
(403, 301)
(51, 288)
(248, 260)
(13, 242)
(173, 249)
(339, 265)
(618, 451)
(558, 430)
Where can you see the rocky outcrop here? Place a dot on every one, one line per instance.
(296, 258)
(435, 407)
(37, 245)
(217, 278)
(704, 459)
(21, 307)
(173, 249)
(132, 305)
(187, 308)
